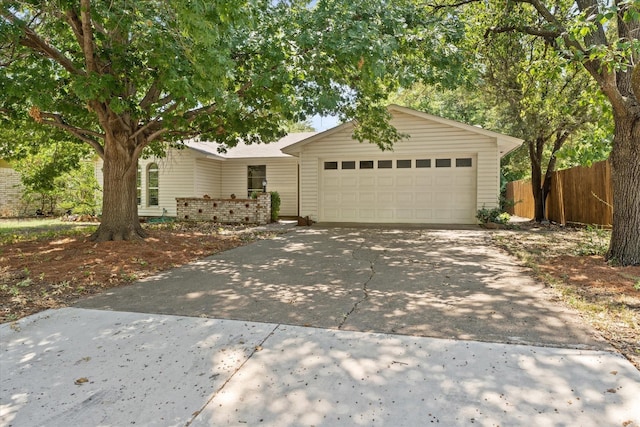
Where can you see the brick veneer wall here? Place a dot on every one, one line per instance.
(226, 211)
(10, 192)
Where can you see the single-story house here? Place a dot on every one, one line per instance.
(10, 191)
(443, 173)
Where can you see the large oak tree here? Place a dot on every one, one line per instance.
(125, 76)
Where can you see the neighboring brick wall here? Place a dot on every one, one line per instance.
(10, 192)
(226, 211)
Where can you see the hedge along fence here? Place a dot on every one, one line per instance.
(581, 195)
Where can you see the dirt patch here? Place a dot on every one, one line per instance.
(54, 272)
(571, 261)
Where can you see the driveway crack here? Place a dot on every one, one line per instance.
(213, 396)
(361, 254)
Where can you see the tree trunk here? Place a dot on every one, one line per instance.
(539, 197)
(624, 247)
(541, 186)
(119, 203)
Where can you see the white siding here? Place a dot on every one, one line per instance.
(282, 176)
(207, 178)
(177, 178)
(428, 139)
(309, 185)
(488, 179)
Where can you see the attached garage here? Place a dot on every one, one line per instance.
(411, 190)
(442, 174)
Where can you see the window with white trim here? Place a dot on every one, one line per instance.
(153, 185)
(256, 176)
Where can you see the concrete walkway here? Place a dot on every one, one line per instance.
(320, 327)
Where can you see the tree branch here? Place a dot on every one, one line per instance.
(75, 24)
(451, 5)
(85, 135)
(34, 42)
(139, 147)
(152, 95)
(544, 12)
(207, 109)
(547, 34)
(87, 34)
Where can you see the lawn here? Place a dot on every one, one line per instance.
(16, 230)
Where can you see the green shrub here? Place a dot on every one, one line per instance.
(494, 215)
(275, 205)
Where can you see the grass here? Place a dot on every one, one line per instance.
(28, 223)
(21, 230)
(596, 242)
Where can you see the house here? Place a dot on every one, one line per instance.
(10, 191)
(199, 170)
(443, 173)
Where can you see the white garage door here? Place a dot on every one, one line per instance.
(438, 189)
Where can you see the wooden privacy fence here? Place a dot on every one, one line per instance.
(581, 195)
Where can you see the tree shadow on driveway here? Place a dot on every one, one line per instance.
(436, 283)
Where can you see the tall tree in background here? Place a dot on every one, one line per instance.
(603, 37)
(545, 100)
(520, 87)
(126, 76)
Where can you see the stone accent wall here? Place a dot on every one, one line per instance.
(226, 211)
(10, 192)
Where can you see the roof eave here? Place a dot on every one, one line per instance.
(508, 144)
(294, 149)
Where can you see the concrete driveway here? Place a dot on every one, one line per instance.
(321, 326)
(434, 283)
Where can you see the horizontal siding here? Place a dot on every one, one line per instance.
(282, 176)
(207, 178)
(488, 179)
(428, 139)
(234, 178)
(176, 179)
(309, 186)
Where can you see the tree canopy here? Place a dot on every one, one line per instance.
(603, 38)
(125, 76)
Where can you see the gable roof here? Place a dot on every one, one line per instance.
(506, 143)
(243, 151)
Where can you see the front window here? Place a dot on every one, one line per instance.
(256, 175)
(152, 185)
